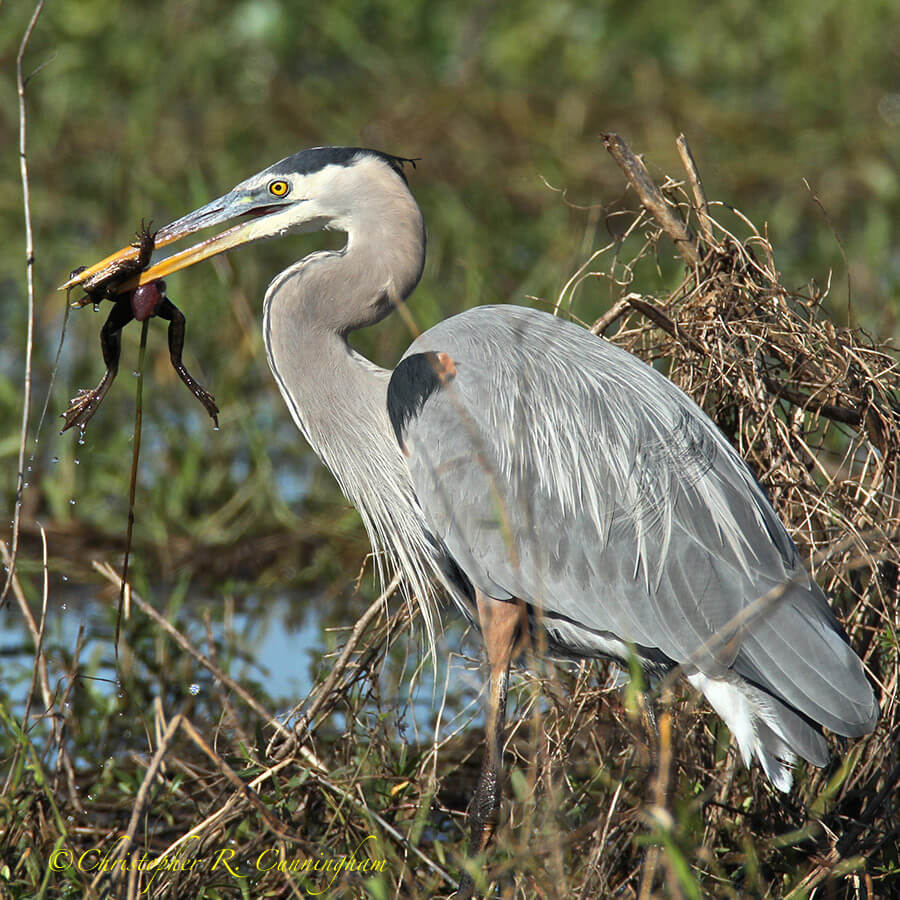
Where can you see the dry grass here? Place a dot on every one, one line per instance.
(597, 808)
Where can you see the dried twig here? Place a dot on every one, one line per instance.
(21, 82)
(702, 204)
(323, 691)
(112, 576)
(651, 197)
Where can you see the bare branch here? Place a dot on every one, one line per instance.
(651, 197)
(702, 204)
(29, 279)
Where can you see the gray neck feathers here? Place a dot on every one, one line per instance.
(337, 398)
(378, 268)
(335, 395)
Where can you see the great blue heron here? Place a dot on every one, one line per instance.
(554, 484)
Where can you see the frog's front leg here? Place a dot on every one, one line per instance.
(105, 284)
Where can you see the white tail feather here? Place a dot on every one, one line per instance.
(754, 723)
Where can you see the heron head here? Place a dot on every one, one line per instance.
(312, 190)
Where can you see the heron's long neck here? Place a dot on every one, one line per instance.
(336, 397)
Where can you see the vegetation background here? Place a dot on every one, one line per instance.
(146, 113)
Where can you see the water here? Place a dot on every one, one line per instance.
(263, 642)
(274, 648)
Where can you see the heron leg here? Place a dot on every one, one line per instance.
(85, 403)
(501, 627)
(651, 726)
(175, 317)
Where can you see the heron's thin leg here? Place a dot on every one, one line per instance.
(651, 726)
(86, 401)
(169, 311)
(501, 627)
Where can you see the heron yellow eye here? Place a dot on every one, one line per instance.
(279, 188)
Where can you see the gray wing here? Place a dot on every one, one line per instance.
(560, 469)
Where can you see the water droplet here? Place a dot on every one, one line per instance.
(135, 373)
(77, 462)
(215, 427)
(27, 468)
(55, 460)
(195, 689)
(65, 577)
(81, 438)
(25, 484)
(72, 502)
(63, 607)
(96, 307)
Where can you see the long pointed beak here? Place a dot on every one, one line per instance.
(215, 213)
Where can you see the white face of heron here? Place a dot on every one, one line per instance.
(332, 196)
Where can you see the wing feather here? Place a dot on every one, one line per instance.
(558, 468)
